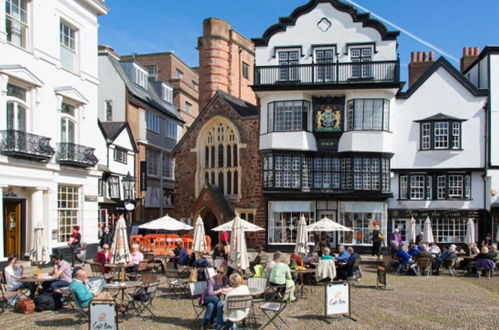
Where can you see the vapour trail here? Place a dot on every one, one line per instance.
(412, 35)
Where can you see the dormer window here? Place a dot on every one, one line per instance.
(440, 132)
(167, 93)
(140, 76)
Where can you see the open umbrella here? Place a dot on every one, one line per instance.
(328, 225)
(470, 232)
(39, 253)
(119, 248)
(411, 231)
(247, 226)
(302, 237)
(238, 255)
(165, 223)
(199, 239)
(427, 232)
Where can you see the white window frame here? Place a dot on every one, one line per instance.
(442, 187)
(152, 159)
(179, 74)
(69, 119)
(68, 38)
(152, 71)
(167, 166)
(19, 22)
(152, 122)
(455, 187)
(108, 109)
(68, 211)
(187, 107)
(113, 184)
(456, 135)
(120, 155)
(167, 93)
(18, 104)
(417, 187)
(171, 129)
(140, 76)
(426, 136)
(441, 130)
(404, 187)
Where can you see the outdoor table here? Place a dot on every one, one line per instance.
(122, 287)
(117, 268)
(302, 274)
(38, 280)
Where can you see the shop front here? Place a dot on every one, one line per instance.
(360, 216)
(448, 226)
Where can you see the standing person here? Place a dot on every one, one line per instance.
(396, 237)
(211, 296)
(377, 241)
(106, 238)
(75, 245)
(13, 274)
(62, 271)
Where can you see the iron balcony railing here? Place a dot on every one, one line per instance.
(328, 73)
(25, 145)
(75, 155)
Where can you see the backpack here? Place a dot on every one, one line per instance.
(58, 300)
(44, 302)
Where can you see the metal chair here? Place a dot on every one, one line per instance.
(424, 265)
(83, 312)
(273, 310)
(23, 292)
(240, 302)
(485, 265)
(196, 289)
(99, 271)
(175, 284)
(450, 266)
(149, 278)
(143, 299)
(257, 284)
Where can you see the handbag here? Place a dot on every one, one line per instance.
(24, 306)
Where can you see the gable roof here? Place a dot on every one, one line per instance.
(488, 50)
(364, 18)
(149, 95)
(242, 108)
(112, 129)
(443, 63)
(440, 116)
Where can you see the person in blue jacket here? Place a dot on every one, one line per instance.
(343, 255)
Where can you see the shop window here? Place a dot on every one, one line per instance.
(68, 209)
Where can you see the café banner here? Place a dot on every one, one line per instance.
(423, 213)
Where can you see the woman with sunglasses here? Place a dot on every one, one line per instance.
(211, 296)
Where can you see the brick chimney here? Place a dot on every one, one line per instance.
(223, 53)
(470, 54)
(420, 62)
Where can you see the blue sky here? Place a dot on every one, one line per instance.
(144, 26)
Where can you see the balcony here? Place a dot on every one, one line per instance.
(75, 155)
(24, 145)
(383, 74)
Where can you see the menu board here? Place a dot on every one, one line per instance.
(102, 315)
(338, 299)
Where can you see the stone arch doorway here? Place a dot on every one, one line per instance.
(210, 222)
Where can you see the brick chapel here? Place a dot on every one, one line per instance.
(218, 167)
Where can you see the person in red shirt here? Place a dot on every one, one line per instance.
(75, 245)
(104, 256)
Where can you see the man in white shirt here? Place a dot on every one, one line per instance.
(13, 273)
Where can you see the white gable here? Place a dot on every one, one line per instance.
(123, 140)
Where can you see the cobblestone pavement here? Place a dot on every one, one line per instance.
(439, 302)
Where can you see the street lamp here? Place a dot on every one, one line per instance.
(128, 189)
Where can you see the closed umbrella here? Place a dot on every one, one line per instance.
(411, 231)
(39, 253)
(497, 234)
(199, 239)
(238, 254)
(119, 248)
(247, 226)
(302, 237)
(470, 232)
(328, 225)
(427, 232)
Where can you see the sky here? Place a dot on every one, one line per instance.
(148, 26)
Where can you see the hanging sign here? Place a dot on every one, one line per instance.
(143, 175)
(102, 315)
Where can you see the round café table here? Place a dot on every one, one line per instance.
(38, 280)
(117, 269)
(122, 288)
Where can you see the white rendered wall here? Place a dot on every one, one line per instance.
(112, 87)
(494, 109)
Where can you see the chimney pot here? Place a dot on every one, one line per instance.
(413, 57)
(477, 51)
(420, 57)
(432, 56)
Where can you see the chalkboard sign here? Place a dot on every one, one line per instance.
(338, 299)
(381, 271)
(102, 315)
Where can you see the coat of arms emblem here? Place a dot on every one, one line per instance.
(329, 118)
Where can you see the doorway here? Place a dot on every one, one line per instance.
(210, 222)
(332, 237)
(13, 223)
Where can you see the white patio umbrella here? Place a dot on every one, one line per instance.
(302, 237)
(427, 232)
(119, 248)
(39, 253)
(199, 239)
(470, 232)
(328, 225)
(411, 231)
(238, 254)
(165, 223)
(247, 226)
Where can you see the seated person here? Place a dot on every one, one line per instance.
(484, 254)
(200, 263)
(226, 319)
(342, 254)
(494, 255)
(104, 257)
(137, 257)
(62, 271)
(414, 250)
(13, 274)
(434, 249)
(211, 296)
(346, 270)
(82, 294)
(403, 257)
(474, 251)
(327, 254)
(280, 273)
(296, 260)
(258, 258)
(425, 253)
(182, 258)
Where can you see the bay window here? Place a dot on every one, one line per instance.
(284, 218)
(286, 116)
(368, 115)
(441, 134)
